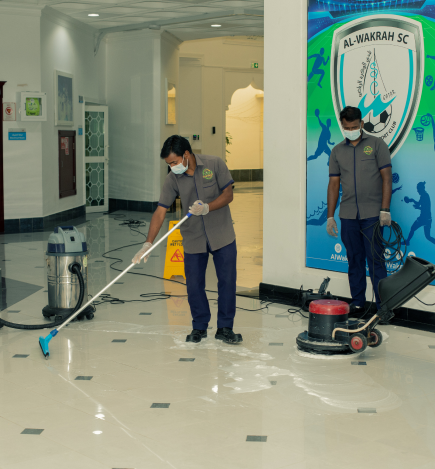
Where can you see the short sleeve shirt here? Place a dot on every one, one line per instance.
(210, 178)
(359, 170)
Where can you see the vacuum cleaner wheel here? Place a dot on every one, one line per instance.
(306, 344)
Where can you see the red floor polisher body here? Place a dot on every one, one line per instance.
(331, 332)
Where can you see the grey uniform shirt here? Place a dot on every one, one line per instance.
(210, 178)
(359, 170)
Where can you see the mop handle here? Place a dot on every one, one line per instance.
(124, 272)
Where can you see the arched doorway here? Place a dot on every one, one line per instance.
(244, 135)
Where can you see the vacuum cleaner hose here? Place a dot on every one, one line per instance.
(74, 268)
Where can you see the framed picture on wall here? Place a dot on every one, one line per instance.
(63, 98)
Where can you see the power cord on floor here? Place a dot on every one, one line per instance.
(134, 226)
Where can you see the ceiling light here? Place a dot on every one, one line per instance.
(93, 14)
(216, 25)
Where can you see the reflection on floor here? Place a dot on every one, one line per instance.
(247, 212)
(126, 391)
(13, 291)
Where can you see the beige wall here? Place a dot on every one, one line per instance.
(244, 122)
(21, 69)
(67, 45)
(211, 70)
(137, 65)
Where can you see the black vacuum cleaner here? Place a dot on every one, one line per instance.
(330, 331)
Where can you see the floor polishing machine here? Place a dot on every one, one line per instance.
(330, 331)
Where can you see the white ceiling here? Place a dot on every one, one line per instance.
(185, 19)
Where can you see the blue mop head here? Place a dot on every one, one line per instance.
(43, 343)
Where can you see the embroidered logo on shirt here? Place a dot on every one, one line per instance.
(368, 150)
(207, 173)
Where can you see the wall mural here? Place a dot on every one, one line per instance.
(378, 56)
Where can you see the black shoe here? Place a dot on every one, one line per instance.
(354, 309)
(227, 335)
(196, 336)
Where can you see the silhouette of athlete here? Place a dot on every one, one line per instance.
(316, 70)
(324, 216)
(324, 139)
(425, 218)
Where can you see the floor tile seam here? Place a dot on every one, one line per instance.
(106, 424)
(109, 467)
(408, 451)
(196, 375)
(397, 355)
(119, 424)
(63, 404)
(23, 389)
(422, 348)
(132, 369)
(74, 450)
(175, 382)
(28, 456)
(134, 366)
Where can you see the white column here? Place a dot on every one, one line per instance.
(285, 66)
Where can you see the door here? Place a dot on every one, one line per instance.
(2, 203)
(96, 153)
(67, 163)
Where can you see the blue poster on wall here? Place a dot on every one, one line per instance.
(378, 56)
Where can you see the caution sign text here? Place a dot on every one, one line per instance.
(174, 261)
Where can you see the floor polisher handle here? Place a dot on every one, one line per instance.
(123, 272)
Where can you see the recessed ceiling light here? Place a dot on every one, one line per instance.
(93, 14)
(216, 25)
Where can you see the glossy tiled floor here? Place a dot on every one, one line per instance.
(125, 391)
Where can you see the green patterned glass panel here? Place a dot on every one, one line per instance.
(94, 133)
(94, 184)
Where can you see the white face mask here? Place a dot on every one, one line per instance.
(352, 134)
(180, 168)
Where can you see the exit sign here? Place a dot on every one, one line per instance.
(254, 64)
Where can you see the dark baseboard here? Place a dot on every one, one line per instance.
(132, 205)
(32, 225)
(246, 175)
(405, 317)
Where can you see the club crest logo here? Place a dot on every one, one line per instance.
(368, 150)
(377, 65)
(207, 173)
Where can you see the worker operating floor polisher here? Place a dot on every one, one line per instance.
(331, 332)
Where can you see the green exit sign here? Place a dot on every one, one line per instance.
(254, 64)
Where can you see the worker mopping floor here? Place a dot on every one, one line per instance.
(44, 341)
(93, 399)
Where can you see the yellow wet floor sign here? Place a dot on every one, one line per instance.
(174, 262)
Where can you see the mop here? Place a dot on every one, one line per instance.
(44, 341)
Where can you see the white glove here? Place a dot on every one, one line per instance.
(331, 227)
(199, 208)
(385, 218)
(136, 259)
